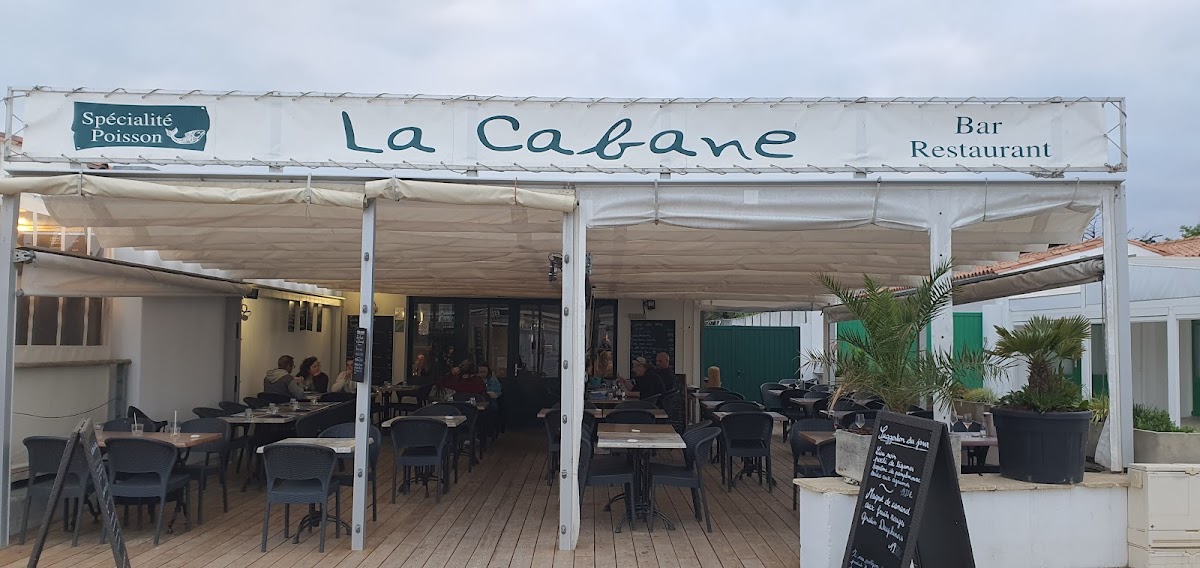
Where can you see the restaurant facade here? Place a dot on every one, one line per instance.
(538, 234)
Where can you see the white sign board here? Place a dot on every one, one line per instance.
(569, 135)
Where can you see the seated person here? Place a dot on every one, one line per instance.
(490, 382)
(280, 380)
(311, 376)
(463, 379)
(345, 380)
(646, 384)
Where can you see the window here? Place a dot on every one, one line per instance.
(48, 320)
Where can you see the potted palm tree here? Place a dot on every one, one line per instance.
(882, 359)
(1042, 428)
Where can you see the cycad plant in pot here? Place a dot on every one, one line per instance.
(1042, 428)
(882, 359)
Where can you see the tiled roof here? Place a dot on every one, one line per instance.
(16, 140)
(1179, 247)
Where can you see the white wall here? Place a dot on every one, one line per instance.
(177, 346)
(1043, 527)
(183, 356)
(48, 392)
(265, 338)
(387, 304)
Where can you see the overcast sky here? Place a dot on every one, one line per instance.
(1147, 51)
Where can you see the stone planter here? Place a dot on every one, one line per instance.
(1163, 447)
(975, 410)
(852, 453)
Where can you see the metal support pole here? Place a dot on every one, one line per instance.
(1117, 345)
(574, 326)
(1174, 390)
(10, 206)
(362, 412)
(941, 330)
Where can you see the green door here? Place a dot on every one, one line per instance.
(749, 356)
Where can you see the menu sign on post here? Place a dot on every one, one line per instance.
(910, 488)
(360, 355)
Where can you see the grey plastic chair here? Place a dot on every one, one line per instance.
(690, 475)
(468, 432)
(143, 468)
(605, 471)
(45, 455)
(300, 474)
(206, 412)
(747, 435)
(422, 443)
(117, 425)
(215, 459)
(739, 406)
(443, 409)
(635, 404)
(771, 401)
(232, 407)
(347, 480)
(827, 453)
(801, 447)
(152, 425)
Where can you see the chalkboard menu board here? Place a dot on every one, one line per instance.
(83, 439)
(648, 338)
(359, 374)
(910, 487)
(381, 347)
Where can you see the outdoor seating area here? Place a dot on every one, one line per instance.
(500, 513)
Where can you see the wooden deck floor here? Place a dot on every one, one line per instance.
(501, 514)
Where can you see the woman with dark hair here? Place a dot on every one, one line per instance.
(311, 376)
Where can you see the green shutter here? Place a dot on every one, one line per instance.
(749, 356)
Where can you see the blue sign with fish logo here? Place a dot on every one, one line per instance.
(98, 125)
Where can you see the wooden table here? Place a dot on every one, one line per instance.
(338, 445)
(283, 415)
(452, 421)
(638, 439)
(806, 403)
(714, 404)
(774, 416)
(599, 414)
(816, 438)
(181, 442)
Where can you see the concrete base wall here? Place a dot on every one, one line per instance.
(1165, 447)
(1011, 523)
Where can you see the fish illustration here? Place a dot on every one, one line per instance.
(190, 137)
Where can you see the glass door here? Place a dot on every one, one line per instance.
(538, 342)
(487, 336)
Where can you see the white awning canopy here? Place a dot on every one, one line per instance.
(758, 244)
(51, 273)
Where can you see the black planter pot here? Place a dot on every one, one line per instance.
(1042, 448)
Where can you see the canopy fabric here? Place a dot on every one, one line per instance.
(51, 273)
(742, 243)
(993, 286)
(471, 194)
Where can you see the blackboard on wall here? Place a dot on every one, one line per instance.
(381, 347)
(648, 338)
(910, 487)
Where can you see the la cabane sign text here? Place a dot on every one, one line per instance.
(566, 135)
